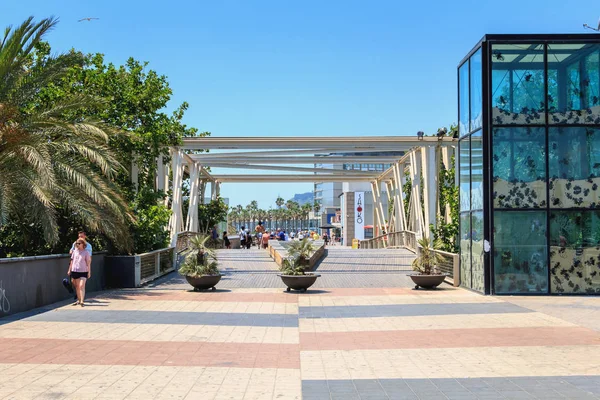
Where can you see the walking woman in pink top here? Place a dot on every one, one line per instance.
(80, 269)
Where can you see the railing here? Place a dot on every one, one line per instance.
(450, 266)
(405, 239)
(155, 263)
(408, 240)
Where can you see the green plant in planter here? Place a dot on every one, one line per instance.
(299, 256)
(290, 266)
(200, 259)
(427, 261)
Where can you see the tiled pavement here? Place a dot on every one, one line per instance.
(337, 342)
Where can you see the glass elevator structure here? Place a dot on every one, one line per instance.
(529, 164)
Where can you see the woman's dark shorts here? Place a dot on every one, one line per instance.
(77, 275)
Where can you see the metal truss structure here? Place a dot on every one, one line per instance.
(299, 159)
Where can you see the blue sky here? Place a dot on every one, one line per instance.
(313, 68)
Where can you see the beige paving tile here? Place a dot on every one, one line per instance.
(155, 332)
(508, 320)
(316, 300)
(454, 363)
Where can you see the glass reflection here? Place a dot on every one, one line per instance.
(519, 167)
(574, 83)
(477, 250)
(575, 251)
(463, 99)
(476, 171)
(476, 93)
(520, 252)
(465, 249)
(518, 84)
(574, 158)
(465, 169)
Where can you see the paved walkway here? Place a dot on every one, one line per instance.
(167, 342)
(342, 267)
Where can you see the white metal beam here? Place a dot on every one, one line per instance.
(269, 153)
(415, 172)
(358, 143)
(300, 160)
(286, 168)
(292, 178)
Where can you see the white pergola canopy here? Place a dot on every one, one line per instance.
(311, 159)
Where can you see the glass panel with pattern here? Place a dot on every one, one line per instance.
(519, 167)
(476, 171)
(518, 84)
(465, 170)
(477, 251)
(465, 249)
(574, 84)
(476, 94)
(520, 252)
(574, 167)
(463, 99)
(575, 252)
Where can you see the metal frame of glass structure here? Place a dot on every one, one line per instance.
(529, 164)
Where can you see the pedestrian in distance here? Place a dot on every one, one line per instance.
(226, 241)
(88, 247)
(81, 235)
(248, 239)
(80, 269)
(242, 237)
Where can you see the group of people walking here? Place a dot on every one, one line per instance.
(247, 239)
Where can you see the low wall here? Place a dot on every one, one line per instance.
(278, 252)
(30, 282)
(134, 271)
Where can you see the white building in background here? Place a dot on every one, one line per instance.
(337, 203)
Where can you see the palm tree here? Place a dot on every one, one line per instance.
(49, 159)
(262, 216)
(280, 202)
(316, 207)
(253, 208)
(306, 212)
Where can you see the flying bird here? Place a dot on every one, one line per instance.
(87, 19)
(594, 29)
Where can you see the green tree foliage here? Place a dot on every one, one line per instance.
(211, 214)
(447, 233)
(53, 159)
(149, 231)
(130, 100)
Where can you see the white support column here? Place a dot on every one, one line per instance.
(213, 191)
(380, 207)
(176, 217)
(415, 167)
(430, 187)
(192, 216)
(135, 172)
(446, 157)
(399, 198)
(391, 200)
(377, 216)
(167, 184)
(161, 175)
(218, 188)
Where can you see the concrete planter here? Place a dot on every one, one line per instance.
(204, 281)
(427, 281)
(299, 282)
